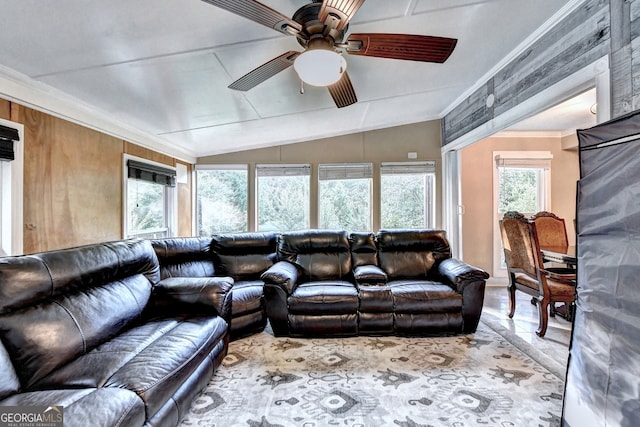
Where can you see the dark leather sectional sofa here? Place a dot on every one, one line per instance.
(127, 333)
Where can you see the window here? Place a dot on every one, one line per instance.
(150, 206)
(11, 189)
(221, 199)
(283, 197)
(407, 195)
(344, 192)
(521, 183)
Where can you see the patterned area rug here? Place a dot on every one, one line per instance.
(479, 379)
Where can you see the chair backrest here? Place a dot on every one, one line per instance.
(551, 230)
(519, 250)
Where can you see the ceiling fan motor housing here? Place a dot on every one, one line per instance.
(313, 29)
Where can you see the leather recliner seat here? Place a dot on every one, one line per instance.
(318, 296)
(405, 282)
(243, 257)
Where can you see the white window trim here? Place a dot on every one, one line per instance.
(12, 196)
(345, 171)
(170, 192)
(218, 166)
(420, 167)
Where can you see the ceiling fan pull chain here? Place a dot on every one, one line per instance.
(301, 87)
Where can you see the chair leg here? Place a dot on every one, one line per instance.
(543, 316)
(512, 300)
(552, 310)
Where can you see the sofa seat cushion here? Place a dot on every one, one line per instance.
(87, 406)
(247, 297)
(325, 297)
(424, 296)
(151, 360)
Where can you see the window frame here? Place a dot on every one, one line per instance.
(287, 170)
(220, 166)
(345, 171)
(540, 160)
(426, 167)
(170, 211)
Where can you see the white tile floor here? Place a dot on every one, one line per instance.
(525, 320)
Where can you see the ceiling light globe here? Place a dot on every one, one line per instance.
(320, 67)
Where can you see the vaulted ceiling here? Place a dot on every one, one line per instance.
(158, 71)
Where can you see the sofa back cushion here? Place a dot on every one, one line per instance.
(363, 249)
(184, 257)
(320, 254)
(244, 256)
(411, 254)
(58, 305)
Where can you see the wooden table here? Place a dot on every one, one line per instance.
(566, 256)
(561, 255)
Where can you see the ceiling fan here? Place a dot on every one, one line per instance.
(320, 28)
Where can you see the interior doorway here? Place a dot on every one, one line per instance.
(456, 195)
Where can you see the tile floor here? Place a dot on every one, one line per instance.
(525, 320)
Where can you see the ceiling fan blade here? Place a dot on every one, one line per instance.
(342, 10)
(259, 13)
(342, 92)
(265, 71)
(402, 46)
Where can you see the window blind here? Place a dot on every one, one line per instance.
(151, 173)
(7, 136)
(413, 168)
(535, 161)
(283, 170)
(345, 171)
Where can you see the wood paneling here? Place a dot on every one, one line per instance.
(185, 203)
(145, 153)
(5, 109)
(580, 39)
(72, 184)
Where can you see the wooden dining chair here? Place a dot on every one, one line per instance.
(552, 231)
(552, 234)
(527, 273)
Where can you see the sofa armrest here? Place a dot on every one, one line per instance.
(470, 282)
(283, 274)
(459, 274)
(369, 274)
(194, 295)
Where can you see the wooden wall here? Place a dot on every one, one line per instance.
(5, 109)
(73, 182)
(595, 29)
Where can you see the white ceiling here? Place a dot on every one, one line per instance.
(161, 68)
(578, 112)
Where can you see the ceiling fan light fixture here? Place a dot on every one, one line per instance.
(320, 67)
